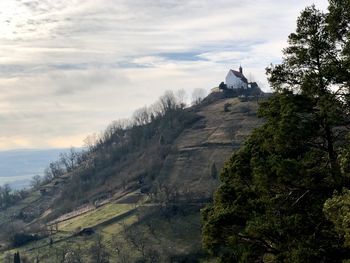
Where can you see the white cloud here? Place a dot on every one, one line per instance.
(69, 67)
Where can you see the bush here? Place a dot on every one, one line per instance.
(21, 239)
(227, 107)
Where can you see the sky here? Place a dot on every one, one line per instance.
(70, 67)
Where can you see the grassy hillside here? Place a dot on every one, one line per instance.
(210, 140)
(136, 195)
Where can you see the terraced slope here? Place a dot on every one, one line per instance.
(172, 228)
(212, 139)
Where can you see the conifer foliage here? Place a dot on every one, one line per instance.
(16, 258)
(269, 207)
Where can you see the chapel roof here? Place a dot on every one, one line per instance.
(239, 75)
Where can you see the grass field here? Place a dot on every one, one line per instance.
(67, 229)
(95, 217)
(176, 236)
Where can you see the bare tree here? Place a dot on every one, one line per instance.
(121, 249)
(90, 141)
(47, 175)
(116, 129)
(9, 230)
(141, 116)
(181, 98)
(69, 159)
(198, 95)
(54, 170)
(35, 182)
(155, 110)
(60, 253)
(168, 101)
(136, 237)
(98, 251)
(75, 255)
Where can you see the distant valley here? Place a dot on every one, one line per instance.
(17, 167)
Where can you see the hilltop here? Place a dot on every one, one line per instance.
(141, 183)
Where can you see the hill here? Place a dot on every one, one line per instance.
(136, 194)
(207, 142)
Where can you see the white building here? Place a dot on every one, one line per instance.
(236, 79)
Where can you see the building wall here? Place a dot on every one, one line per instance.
(233, 82)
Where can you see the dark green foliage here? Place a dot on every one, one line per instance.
(270, 204)
(233, 93)
(223, 86)
(273, 191)
(214, 171)
(337, 210)
(50, 242)
(21, 239)
(227, 107)
(339, 23)
(161, 140)
(16, 258)
(9, 197)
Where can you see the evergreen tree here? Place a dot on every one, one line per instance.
(16, 258)
(214, 171)
(270, 203)
(311, 67)
(339, 24)
(222, 86)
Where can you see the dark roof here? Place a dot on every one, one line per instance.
(86, 231)
(239, 75)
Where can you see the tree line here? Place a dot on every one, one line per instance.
(156, 125)
(117, 133)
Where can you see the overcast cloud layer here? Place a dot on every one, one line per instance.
(69, 67)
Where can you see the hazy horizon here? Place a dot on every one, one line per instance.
(68, 68)
(18, 166)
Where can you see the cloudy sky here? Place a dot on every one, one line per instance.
(70, 67)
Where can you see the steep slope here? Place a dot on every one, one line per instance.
(210, 140)
(194, 141)
(156, 187)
